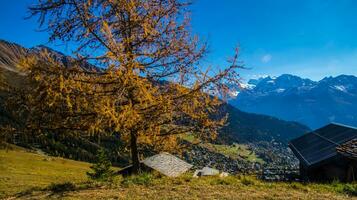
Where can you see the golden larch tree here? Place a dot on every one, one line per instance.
(148, 85)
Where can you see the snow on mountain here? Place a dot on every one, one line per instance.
(340, 87)
(247, 86)
(313, 103)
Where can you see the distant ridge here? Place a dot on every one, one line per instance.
(314, 103)
(10, 54)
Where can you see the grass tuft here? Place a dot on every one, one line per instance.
(298, 186)
(350, 189)
(246, 180)
(222, 181)
(140, 179)
(345, 188)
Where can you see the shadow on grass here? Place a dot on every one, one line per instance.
(61, 187)
(28, 192)
(58, 189)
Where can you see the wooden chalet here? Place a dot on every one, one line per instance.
(327, 154)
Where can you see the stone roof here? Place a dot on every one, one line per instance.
(206, 171)
(348, 149)
(167, 164)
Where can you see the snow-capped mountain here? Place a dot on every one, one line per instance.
(314, 103)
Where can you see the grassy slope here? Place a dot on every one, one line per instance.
(196, 188)
(234, 151)
(22, 171)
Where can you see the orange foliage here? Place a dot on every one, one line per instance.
(149, 86)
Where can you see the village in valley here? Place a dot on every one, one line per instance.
(154, 99)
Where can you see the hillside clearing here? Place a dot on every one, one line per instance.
(234, 151)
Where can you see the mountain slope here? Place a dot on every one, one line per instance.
(292, 98)
(248, 127)
(242, 126)
(10, 54)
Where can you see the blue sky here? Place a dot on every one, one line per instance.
(309, 38)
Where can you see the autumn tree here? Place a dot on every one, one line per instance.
(148, 87)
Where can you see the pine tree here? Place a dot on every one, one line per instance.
(102, 168)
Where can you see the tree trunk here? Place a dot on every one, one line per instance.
(134, 153)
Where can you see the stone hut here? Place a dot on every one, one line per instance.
(163, 163)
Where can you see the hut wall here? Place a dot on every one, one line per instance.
(340, 169)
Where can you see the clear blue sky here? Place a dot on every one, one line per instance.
(309, 38)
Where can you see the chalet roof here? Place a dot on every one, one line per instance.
(319, 145)
(348, 149)
(167, 164)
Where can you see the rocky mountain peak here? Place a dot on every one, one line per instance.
(314, 103)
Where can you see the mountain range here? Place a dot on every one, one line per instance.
(313, 103)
